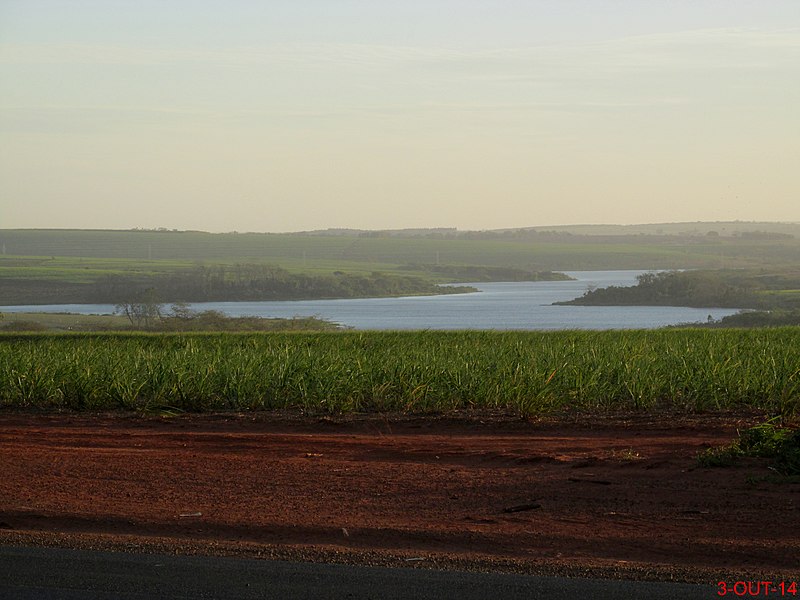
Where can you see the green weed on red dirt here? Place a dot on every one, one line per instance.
(525, 372)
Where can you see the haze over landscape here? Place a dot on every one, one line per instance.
(287, 116)
(474, 288)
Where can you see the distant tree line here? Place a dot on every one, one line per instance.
(723, 289)
(487, 273)
(758, 318)
(253, 282)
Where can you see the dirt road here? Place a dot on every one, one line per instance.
(616, 497)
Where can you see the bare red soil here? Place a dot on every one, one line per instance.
(620, 495)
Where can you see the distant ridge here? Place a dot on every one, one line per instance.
(684, 228)
(732, 244)
(723, 228)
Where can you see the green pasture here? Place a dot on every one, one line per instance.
(81, 270)
(528, 373)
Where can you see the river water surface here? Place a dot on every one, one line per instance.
(502, 306)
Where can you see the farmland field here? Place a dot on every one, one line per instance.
(526, 373)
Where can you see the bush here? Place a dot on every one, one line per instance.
(767, 440)
(23, 326)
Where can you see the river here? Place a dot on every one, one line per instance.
(501, 306)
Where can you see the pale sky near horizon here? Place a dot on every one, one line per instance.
(286, 115)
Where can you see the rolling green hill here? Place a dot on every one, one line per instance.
(49, 265)
(668, 246)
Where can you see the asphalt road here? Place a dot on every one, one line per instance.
(54, 573)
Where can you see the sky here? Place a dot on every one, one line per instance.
(291, 115)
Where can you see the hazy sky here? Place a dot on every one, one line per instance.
(285, 115)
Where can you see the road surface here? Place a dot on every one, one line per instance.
(60, 574)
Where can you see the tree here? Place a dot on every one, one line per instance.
(182, 311)
(144, 311)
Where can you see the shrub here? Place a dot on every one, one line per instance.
(767, 440)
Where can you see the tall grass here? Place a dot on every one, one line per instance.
(526, 372)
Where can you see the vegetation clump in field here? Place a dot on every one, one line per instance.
(20, 325)
(212, 320)
(156, 319)
(767, 440)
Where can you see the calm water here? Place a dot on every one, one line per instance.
(496, 306)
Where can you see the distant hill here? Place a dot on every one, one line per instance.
(722, 228)
(577, 247)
